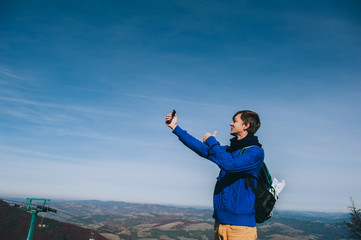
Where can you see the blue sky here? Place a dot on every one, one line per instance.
(85, 87)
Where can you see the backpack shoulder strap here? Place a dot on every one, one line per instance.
(248, 178)
(245, 148)
(249, 183)
(264, 175)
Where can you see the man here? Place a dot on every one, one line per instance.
(233, 201)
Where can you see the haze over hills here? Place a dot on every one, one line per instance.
(122, 220)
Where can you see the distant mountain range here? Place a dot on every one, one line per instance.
(121, 220)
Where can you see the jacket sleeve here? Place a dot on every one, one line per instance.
(248, 162)
(191, 142)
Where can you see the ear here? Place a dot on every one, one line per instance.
(246, 126)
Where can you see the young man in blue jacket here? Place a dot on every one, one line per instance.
(233, 201)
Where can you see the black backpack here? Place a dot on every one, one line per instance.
(265, 193)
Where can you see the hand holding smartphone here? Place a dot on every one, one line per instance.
(173, 114)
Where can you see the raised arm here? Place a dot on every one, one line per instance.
(248, 163)
(191, 142)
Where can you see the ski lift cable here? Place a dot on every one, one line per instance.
(79, 219)
(75, 219)
(13, 201)
(24, 204)
(79, 223)
(33, 205)
(42, 218)
(73, 216)
(20, 204)
(69, 220)
(61, 217)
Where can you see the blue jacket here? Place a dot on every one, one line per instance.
(233, 203)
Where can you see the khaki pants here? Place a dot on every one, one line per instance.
(233, 232)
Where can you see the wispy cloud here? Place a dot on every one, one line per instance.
(12, 82)
(7, 72)
(63, 106)
(172, 100)
(36, 154)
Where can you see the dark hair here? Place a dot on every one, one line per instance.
(250, 117)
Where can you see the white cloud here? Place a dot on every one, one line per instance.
(7, 72)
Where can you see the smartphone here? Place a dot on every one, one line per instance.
(173, 113)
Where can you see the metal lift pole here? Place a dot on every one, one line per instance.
(32, 224)
(34, 212)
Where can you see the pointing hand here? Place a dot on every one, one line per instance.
(207, 135)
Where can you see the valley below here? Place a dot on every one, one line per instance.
(120, 220)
